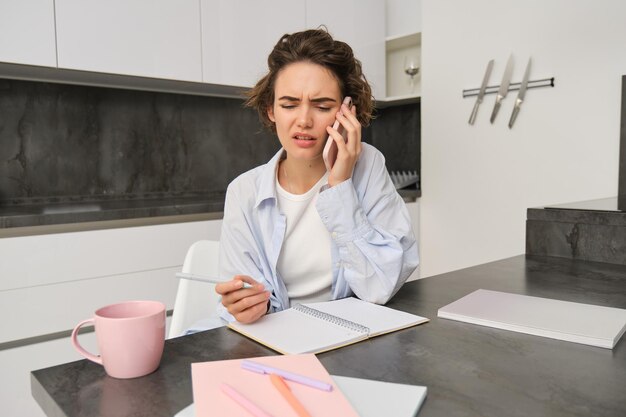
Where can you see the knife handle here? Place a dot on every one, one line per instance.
(514, 114)
(496, 107)
(474, 113)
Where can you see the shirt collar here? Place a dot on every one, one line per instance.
(267, 179)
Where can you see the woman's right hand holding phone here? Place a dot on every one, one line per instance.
(245, 304)
(348, 149)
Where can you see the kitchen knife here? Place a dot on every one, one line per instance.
(504, 88)
(520, 95)
(481, 93)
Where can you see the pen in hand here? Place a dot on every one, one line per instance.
(205, 278)
(284, 390)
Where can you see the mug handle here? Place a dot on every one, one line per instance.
(79, 348)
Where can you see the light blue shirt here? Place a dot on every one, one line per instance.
(373, 249)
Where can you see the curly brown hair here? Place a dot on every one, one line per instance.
(318, 47)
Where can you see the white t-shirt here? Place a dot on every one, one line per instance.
(304, 262)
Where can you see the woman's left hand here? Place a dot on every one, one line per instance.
(347, 152)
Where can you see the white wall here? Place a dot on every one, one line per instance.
(478, 181)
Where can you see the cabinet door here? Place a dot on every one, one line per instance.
(150, 38)
(238, 35)
(359, 23)
(64, 277)
(27, 32)
(403, 17)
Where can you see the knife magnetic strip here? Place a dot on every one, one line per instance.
(546, 82)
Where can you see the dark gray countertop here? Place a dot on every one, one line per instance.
(67, 211)
(603, 211)
(469, 370)
(601, 204)
(46, 212)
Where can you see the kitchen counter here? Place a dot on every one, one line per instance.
(592, 230)
(45, 213)
(128, 211)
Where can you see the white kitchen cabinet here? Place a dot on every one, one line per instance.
(403, 17)
(238, 35)
(148, 38)
(17, 364)
(27, 32)
(50, 282)
(361, 24)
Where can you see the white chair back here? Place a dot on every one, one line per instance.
(196, 300)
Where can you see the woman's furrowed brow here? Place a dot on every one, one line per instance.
(314, 100)
(323, 100)
(289, 98)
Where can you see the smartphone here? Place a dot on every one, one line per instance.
(330, 150)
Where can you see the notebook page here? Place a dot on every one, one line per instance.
(379, 319)
(291, 332)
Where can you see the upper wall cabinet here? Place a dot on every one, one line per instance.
(403, 17)
(238, 35)
(361, 24)
(27, 32)
(149, 38)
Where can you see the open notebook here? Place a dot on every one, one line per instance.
(574, 322)
(318, 327)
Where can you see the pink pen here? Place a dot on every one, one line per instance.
(245, 403)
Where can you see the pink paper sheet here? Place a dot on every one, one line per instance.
(211, 401)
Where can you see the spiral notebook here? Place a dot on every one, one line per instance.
(319, 327)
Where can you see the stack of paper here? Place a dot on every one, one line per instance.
(349, 397)
(574, 322)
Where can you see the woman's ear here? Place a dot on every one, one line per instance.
(270, 113)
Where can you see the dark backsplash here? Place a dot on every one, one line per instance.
(74, 142)
(396, 133)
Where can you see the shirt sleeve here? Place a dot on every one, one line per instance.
(372, 231)
(238, 249)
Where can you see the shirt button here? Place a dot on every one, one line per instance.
(334, 235)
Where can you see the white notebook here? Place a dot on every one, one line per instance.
(369, 398)
(573, 322)
(318, 327)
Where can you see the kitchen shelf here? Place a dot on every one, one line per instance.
(399, 85)
(403, 41)
(398, 100)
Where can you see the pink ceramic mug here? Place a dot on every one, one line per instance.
(130, 338)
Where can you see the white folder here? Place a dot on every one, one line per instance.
(574, 322)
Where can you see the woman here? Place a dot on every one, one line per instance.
(294, 231)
